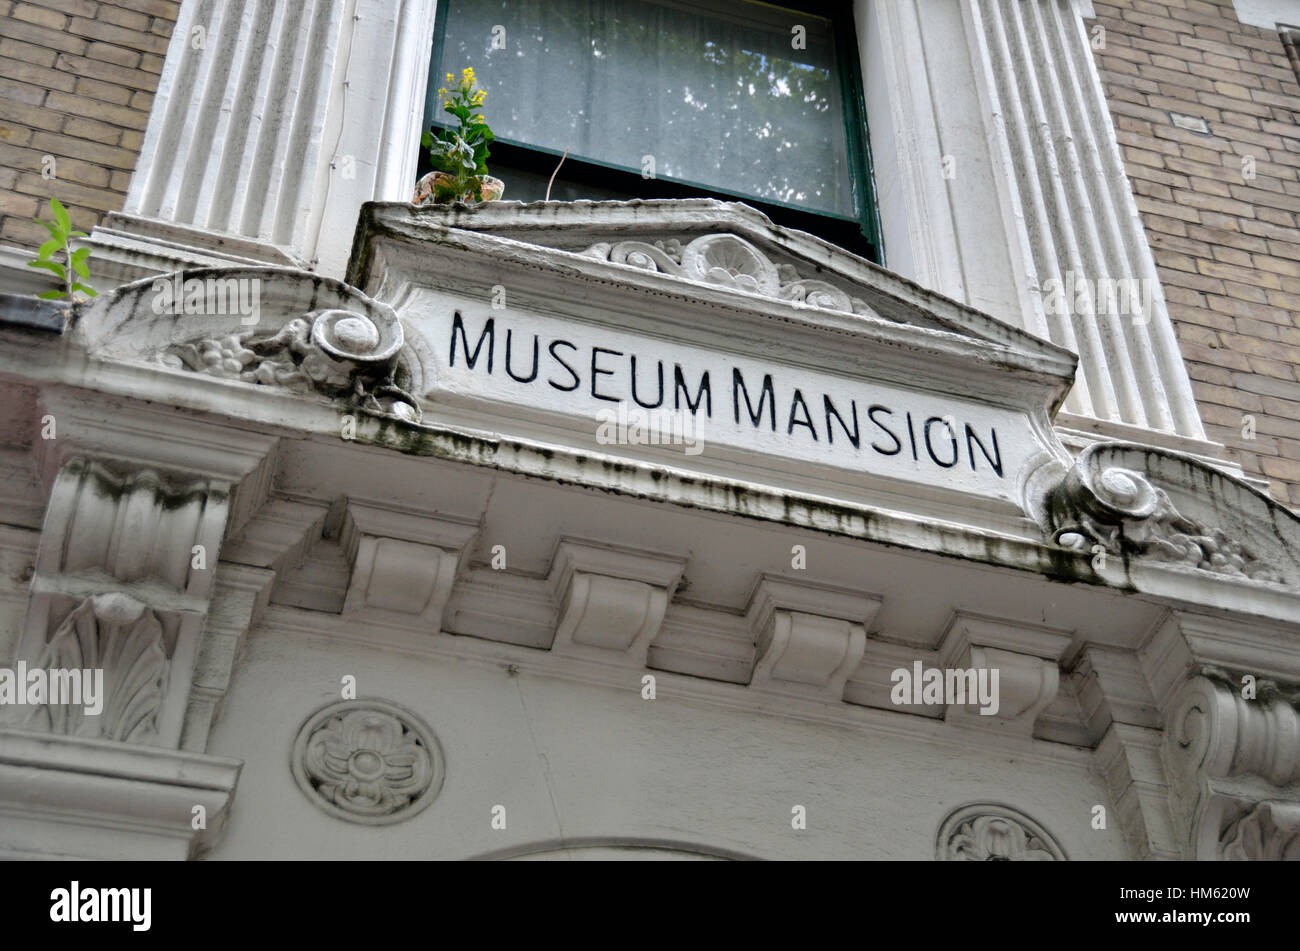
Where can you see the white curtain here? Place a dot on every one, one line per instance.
(715, 91)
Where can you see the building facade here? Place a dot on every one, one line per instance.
(935, 507)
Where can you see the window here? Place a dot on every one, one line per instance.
(732, 99)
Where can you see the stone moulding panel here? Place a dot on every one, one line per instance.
(130, 801)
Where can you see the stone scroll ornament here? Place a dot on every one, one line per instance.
(368, 761)
(729, 261)
(1233, 768)
(339, 353)
(1106, 499)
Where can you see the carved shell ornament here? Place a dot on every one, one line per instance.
(728, 260)
(335, 352)
(368, 761)
(986, 832)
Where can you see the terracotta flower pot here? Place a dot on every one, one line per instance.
(425, 193)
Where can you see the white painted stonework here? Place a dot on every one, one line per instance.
(535, 642)
(1268, 14)
(997, 166)
(1004, 95)
(356, 598)
(759, 398)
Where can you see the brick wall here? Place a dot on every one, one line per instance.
(77, 78)
(1227, 245)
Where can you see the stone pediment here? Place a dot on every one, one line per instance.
(789, 351)
(720, 245)
(724, 255)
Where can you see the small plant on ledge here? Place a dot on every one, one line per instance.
(73, 265)
(459, 155)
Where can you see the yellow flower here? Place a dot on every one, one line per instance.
(478, 98)
(467, 76)
(476, 118)
(449, 77)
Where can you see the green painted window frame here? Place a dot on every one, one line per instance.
(859, 233)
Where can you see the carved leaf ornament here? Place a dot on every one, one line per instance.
(1103, 502)
(123, 637)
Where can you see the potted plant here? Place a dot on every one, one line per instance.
(459, 155)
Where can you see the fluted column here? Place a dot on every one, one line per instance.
(272, 123)
(1069, 195)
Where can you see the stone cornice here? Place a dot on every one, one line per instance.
(811, 708)
(322, 339)
(140, 802)
(266, 410)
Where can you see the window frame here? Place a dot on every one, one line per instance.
(859, 233)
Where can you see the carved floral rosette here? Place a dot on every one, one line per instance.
(368, 761)
(728, 260)
(988, 832)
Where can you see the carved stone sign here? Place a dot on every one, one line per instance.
(704, 400)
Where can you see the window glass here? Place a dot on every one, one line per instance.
(726, 95)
